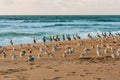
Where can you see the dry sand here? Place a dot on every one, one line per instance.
(72, 67)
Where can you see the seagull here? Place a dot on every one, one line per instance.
(113, 56)
(82, 55)
(78, 37)
(22, 54)
(89, 36)
(14, 57)
(51, 55)
(86, 50)
(14, 49)
(74, 37)
(55, 47)
(106, 51)
(4, 55)
(11, 42)
(118, 52)
(39, 55)
(71, 51)
(51, 39)
(66, 52)
(34, 41)
(98, 51)
(30, 51)
(63, 37)
(41, 49)
(31, 58)
(98, 35)
(46, 52)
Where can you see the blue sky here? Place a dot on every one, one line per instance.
(59, 7)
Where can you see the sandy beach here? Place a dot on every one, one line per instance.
(57, 64)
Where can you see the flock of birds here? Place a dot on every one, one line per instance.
(115, 38)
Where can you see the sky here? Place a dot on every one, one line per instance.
(59, 7)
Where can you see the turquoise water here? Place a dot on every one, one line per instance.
(22, 29)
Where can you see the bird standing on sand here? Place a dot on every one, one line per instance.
(11, 42)
(106, 51)
(114, 56)
(51, 39)
(68, 37)
(34, 41)
(98, 35)
(98, 51)
(55, 47)
(89, 36)
(78, 37)
(39, 55)
(74, 37)
(41, 49)
(4, 55)
(82, 55)
(31, 58)
(63, 37)
(22, 54)
(71, 51)
(118, 52)
(44, 39)
(86, 50)
(14, 57)
(14, 49)
(51, 55)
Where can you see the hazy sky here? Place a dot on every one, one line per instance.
(59, 7)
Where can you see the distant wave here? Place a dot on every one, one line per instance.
(34, 19)
(13, 34)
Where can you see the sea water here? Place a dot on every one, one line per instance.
(22, 29)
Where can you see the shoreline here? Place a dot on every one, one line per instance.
(80, 60)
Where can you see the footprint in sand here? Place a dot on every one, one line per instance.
(55, 78)
(56, 70)
(71, 74)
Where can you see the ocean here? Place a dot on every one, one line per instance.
(22, 29)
